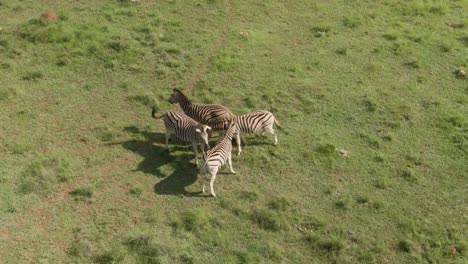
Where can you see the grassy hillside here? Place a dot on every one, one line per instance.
(84, 177)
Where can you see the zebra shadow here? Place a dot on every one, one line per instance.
(174, 168)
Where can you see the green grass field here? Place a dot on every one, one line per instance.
(84, 177)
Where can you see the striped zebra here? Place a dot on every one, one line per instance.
(217, 157)
(204, 113)
(185, 128)
(260, 120)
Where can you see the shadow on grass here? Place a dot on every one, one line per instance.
(175, 168)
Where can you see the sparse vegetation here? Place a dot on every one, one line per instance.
(84, 177)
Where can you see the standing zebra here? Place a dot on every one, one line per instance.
(217, 157)
(252, 123)
(204, 113)
(185, 128)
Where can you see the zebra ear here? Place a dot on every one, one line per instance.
(208, 128)
(197, 130)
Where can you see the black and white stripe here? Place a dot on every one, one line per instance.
(260, 120)
(204, 113)
(185, 128)
(217, 157)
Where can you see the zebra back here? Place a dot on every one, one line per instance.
(210, 114)
(207, 114)
(254, 122)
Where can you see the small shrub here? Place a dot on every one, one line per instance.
(326, 149)
(312, 223)
(405, 245)
(369, 105)
(352, 22)
(7, 92)
(4, 44)
(273, 252)
(194, 220)
(246, 257)
(312, 237)
(226, 64)
(144, 99)
(146, 249)
(408, 174)
(186, 257)
(136, 191)
(248, 196)
(104, 134)
(320, 30)
(462, 248)
(377, 205)
(381, 183)
(342, 51)
(42, 174)
(413, 64)
(387, 137)
(369, 140)
(341, 204)
(22, 147)
(80, 248)
(460, 142)
(279, 204)
(391, 36)
(456, 121)
(32, 76)
(268, 220)
(378, 158)
(250, 102)
(329, 245)
(362, 199)
(82, 193)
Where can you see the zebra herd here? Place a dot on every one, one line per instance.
(196, 124)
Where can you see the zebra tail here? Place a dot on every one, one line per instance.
(277, 124)
(153, 114)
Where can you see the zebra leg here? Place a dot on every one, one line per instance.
(230, 163)
(212, 180)
(270, 130)
(201, 177)
(168, 135)
(238, 140)
(195, 150)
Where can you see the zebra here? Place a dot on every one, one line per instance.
(217, 157)
(252, 123)
(204, 113)
(185, 128)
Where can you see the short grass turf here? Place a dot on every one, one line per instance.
(84, 176)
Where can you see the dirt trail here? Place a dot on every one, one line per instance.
(43, 211)
(200, 72)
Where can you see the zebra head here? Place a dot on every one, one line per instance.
(177, 96)
(202, 135)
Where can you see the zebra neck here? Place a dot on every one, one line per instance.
(230, 134)
(185, 103)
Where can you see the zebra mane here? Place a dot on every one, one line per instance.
(183, 96)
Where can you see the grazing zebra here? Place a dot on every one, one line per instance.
(185, 128)
(252, 123)
(217, 157)
(204, 113)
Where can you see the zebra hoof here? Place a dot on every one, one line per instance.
(213, 195)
